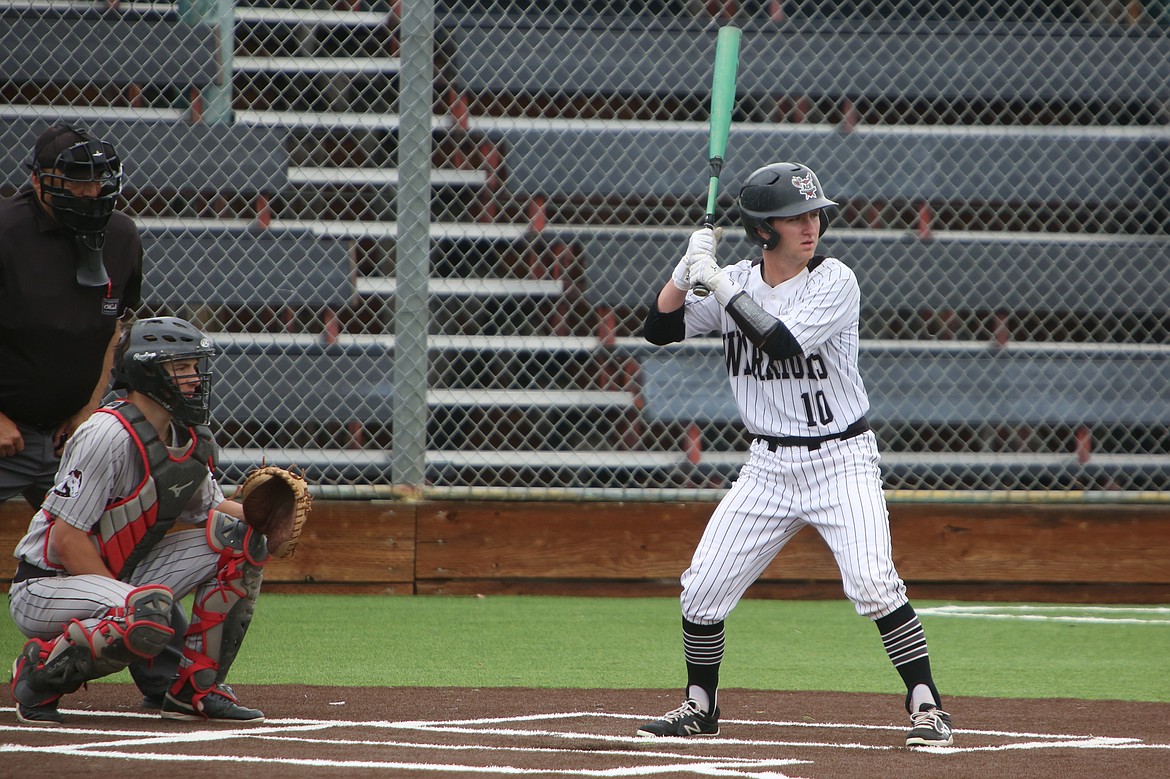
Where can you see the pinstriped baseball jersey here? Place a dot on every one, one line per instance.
(816, 393)
(100, 464)
(835, 487)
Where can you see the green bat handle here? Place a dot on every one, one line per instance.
(716, 165)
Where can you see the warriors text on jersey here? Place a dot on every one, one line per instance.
(816, 393)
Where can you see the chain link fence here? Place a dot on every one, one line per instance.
(446, 294)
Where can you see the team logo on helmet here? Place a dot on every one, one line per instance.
(805, 185)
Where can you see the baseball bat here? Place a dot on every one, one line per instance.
(722, 101)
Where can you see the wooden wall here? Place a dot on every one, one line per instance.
(1062, 553)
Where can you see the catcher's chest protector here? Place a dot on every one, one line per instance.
(130, 528)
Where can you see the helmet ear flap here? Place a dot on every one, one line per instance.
(825, 214)
(119, 370)
(754, 227)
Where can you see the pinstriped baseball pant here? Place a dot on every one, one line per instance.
(42, 607)
(837, 489)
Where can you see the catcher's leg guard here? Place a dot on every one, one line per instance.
(155, 675)
(35, 703)
(222, 610)
(45, 671)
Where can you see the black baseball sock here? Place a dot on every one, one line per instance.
(905, 643)
(703, 649)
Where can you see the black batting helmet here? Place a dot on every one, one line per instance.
(146, 346)
(65, 154)
(780, 189)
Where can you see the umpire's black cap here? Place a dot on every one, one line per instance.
(53, 142)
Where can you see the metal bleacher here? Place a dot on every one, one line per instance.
(558, 158)
(972, 269)
(956, 388)
(249, 268)
(901, 195)
(77, 45)
(277, 233)
(656, 57)
(273, 230)
(169, 155)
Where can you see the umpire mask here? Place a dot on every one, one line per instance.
(80, 180)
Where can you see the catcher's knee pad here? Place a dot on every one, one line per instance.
(82, 653)
(148, 619)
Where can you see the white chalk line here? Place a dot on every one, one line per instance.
(493, 748)
(1059, 607)
(432, 724)
(729, 767)
(689, 761)
(1089, 615)
(703, 765)
(1092, 742)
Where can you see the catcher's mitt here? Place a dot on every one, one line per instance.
(276, 503)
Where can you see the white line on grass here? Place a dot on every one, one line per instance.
(1154, 615)
(1059, 607)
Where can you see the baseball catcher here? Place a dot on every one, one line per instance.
(276, 503)
(136, 523)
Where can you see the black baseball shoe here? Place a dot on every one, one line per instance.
(686, 720)
(931, 727)
(218, 705)
(153, 701)
(33, 706)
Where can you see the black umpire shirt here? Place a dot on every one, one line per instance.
(54, 332)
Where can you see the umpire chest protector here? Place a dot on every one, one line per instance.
(130, 527)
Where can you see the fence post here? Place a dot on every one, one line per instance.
(216, 99)
(414, 244)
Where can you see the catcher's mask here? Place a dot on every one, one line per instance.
(781, 189)
(139, 365)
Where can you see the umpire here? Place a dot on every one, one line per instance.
(70, 269)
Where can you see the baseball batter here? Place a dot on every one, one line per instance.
(789, 323)
(98, 575)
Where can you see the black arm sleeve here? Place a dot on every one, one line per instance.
(780, 344)
(661, 329)
(764, 330)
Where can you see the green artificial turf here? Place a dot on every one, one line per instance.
(635, 642)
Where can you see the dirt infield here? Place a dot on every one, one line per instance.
(459, 732)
